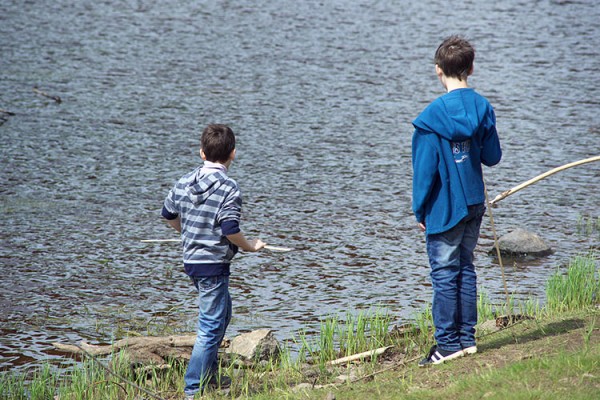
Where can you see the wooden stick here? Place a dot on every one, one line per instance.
(99, 350)
(40, 92)
(359, 356)
(277, 248)
(393, 366)
(542, 176)
(496, 244)
(160, 240)
(268, 247)
(2, 111)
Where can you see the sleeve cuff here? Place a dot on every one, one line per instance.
(168, 215)
(230, 227)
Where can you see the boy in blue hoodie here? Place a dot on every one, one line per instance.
(205, 207)
(453, 137)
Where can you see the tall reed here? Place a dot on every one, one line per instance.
(578, 287)
(587, 225)
(339, 337)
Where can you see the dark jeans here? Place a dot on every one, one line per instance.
(454, 281)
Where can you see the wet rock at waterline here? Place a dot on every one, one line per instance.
(256, 345)
(522, 243)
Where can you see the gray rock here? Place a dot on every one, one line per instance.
(521, 243)
(301, 386)
(257, 345)
(487, 327)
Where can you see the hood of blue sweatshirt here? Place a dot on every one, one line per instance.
(453, 136)
(456, 116)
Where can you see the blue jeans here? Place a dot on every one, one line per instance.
(454, 281)
(213, 319)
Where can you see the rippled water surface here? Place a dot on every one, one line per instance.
(321, 96)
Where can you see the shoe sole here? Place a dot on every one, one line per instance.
(470, 350)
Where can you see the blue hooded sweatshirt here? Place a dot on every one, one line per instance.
(453, 136)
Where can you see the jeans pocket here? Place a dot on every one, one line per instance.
(206, 283)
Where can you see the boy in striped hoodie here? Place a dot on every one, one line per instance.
(205, 207)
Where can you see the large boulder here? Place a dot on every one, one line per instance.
(522, 243)
(256, 345)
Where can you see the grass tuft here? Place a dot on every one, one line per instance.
(577, 288)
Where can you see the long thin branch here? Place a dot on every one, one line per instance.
(42, 93)
(542, 176)
(2, 111)
(267, 246)
(172, 341)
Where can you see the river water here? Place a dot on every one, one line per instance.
(321, 95)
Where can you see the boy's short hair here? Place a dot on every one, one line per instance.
(455, 57)
(217, 142)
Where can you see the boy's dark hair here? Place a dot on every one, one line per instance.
(455, 57)
(217, 142)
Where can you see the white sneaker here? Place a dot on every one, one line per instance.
(470, 350)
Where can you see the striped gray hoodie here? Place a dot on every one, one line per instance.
(209, 204)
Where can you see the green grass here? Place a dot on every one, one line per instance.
(339, 337)
(587, 225)
(578, 287)
(305, 358)
(553, 358)
(563, 375)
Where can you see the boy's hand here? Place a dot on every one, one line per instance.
(246, 244)
(422, 226)
(256, 244)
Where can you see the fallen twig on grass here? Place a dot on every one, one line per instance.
(360, 356)
(393, 366)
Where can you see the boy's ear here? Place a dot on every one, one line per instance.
(202, 154)
(438, 71)
(471, 71)
(232, 155)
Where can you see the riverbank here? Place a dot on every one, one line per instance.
(543, 359)
(553, 358)
(547, 352)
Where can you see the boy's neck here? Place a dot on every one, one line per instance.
(216, 165)
(454, 83)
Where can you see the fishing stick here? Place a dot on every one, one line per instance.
(508, 193)
(497, 247)
(268, 247)
(542, 176)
